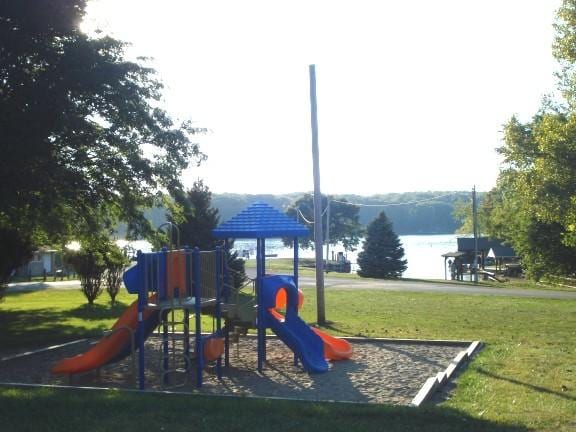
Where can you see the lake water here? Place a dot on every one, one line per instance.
(423, 252)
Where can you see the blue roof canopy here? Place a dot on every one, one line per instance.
(260, 220)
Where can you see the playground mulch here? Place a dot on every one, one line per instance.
(381, 371)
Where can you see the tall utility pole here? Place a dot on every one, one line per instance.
(321, 313)
(475, 229)
(327, 229)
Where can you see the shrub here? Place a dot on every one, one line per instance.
(116, 263)
(90, 265)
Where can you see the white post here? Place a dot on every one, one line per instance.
(475, 229)
(327, 230)
(321, 314)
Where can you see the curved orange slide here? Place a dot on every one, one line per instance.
(109, 348)
(334, 348)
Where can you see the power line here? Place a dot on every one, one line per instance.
(394, 204)
(374, 205)
(303, 217)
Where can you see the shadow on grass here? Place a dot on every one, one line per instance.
(140, 411)
(331, 326)
(19, 293)
(527, 385)
(41, 327)
(97, 311)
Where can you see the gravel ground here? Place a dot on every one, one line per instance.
(379, 372)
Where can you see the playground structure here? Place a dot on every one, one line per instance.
(173, 286)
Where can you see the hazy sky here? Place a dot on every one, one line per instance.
(412, 95)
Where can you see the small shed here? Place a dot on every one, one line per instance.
(45, 261)
(467, 245)
(486, 247)
(502, 255)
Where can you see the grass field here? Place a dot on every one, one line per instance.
(524, 379)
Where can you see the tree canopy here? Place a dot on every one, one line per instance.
(533, 206)
(84, 141)
(344, 224)
(382, 255)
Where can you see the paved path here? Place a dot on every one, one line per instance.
(38, 286)
(434, 287)
(375, 284)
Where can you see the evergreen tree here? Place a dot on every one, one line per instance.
(382, 254)
(196, 219)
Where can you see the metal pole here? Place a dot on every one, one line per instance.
(327, 230)
(475, 228)
(321, 314)
(172, 227)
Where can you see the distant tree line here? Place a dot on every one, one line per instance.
(428, 217)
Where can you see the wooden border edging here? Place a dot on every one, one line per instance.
(50, 348)
(434, 383)
(173, 392)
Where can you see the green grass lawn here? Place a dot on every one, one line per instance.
(524, 379)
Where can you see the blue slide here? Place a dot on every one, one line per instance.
(300, 338)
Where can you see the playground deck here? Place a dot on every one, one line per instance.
(380, 372)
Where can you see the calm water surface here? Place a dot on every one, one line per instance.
(423, 252)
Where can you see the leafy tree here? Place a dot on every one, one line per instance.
(84, 142)
(196, 218)
(89, 264)
(533, 205)
(14, 249)
(564, 50)
(99, 263)
(115, 262)
(463, 213)
(344, 224)
(382, 254)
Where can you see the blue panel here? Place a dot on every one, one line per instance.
(302, 340)
(260, 220)
(131, 280)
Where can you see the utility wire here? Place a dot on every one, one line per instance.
(393, 204)
(306, 220)
(374, 205)
(303, 217)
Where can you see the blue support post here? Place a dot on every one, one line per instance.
(162, 288)
(227, 300)
(260, 312)
(263, 240)
(198, 319)
(187, 293)
(142, 303)
(296, 246)
(219, 263)
(295, 264)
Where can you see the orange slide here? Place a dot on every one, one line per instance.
(334, 348)
(112, 347)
